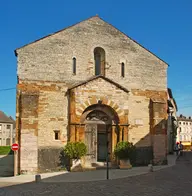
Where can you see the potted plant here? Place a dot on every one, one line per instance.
(75, 151)
(124, 151)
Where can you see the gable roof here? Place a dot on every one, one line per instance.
(96, 77)
(84, 21)
(4, 118)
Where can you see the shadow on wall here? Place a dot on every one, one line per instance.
(52, 159)
(7, 165)
(155, 152)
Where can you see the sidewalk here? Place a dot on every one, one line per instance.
(65, 176)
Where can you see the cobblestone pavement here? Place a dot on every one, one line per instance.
(172, 181)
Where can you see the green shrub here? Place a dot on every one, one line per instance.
(124, 150)
(5, 150)
(75, 150)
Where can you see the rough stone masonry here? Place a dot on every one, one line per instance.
(52, 98)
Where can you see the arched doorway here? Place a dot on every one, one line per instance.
(98, 121)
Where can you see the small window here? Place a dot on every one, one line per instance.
(57, 135)
(74, 65)
(8, 126)
(8, 142)
(180, 123)
(0, 127)
(122, 70)
(186, 123)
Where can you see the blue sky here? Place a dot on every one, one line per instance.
(164, 27)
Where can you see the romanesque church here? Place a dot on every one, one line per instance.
(85, 81)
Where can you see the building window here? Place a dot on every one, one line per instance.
(180, 123)
(186, 123)
(180, 137)
(8, 142)
(0, 128)
(8, 126)
(57, 135)
(122, 70)
(74, 65)
(180, 129)
(99, 56)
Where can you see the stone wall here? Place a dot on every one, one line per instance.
(100, 89)
(50, 59)
(144, 111)
(43, 110)
(29, 129)
(45, 74)
(159, 139)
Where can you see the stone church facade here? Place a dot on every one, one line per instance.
(81, 84)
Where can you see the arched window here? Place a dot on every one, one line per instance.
(74, 65)
(122, 70)
(99, 56)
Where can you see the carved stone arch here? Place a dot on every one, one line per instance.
(99, 101)
(105, 109)
(98, 116)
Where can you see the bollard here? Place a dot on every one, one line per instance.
(37, 178)
(150, 167)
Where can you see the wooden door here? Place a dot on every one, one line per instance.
(91, 143)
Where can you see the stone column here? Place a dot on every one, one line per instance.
(159, 136)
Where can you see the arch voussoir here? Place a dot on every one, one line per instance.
(95, 100)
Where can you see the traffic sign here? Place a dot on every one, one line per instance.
(15, 147)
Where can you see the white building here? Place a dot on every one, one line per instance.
(7, 130)
(184, 131)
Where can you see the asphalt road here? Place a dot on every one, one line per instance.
(172, 181)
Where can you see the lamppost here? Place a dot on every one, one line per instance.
(107, 152)
(170, 131)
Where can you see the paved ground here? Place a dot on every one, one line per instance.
(64, 176)
(176, 180)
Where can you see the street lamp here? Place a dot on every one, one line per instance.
(107, 152)
(170, 136)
